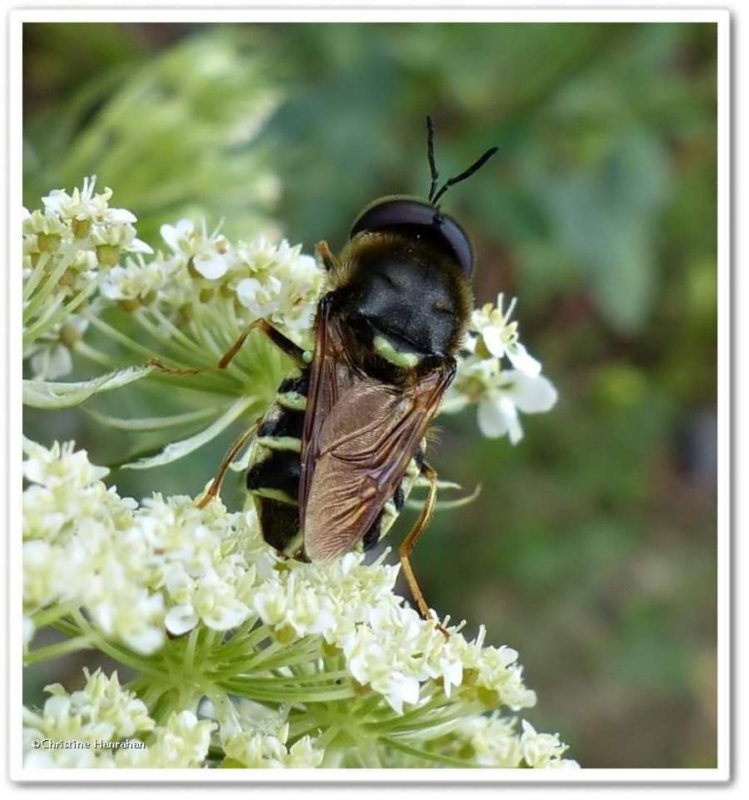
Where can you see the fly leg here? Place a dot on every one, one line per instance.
(282, 342)
(215, 486)
(326, 257)
(409, 542)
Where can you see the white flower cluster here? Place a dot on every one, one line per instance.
(500, 392)
(81, 254)
(241, 282)
(268, 751)
(138, 572)
(387, 645)
(67, 246)
(256, 737)
(104, 726)
(85, 222)
(493, 742)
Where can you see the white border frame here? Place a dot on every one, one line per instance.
(334, 12)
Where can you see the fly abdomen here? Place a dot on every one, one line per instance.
(273, 476)
(282, 429)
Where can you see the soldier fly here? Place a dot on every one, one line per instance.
(335, 457)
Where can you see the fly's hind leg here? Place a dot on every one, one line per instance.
(410, 541)
(279, 339)
(282, 342)
(215, 486)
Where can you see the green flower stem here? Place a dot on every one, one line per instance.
(165, 705)
(31, 333)
(310, 680)
(328, 735)
(118, 336)
(95, 355)
(218, 349)
(47, 287)
(207, 645)
(245, 638)
(70, 307)
(236, 648)
(368, 705)
(58, 649)
(303, 724)
(66, 626)
(279, 654)
(152, 692)
(447, 761)
(442, 722)
(174, 338)
(285, 694)
(115, 652)
(368, 756)
(189, 656)
(194, 356)
(303, 657)
(49, 615)
(36, 276)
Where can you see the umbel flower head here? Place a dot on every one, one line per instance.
(240, 658)
(82, 255)
(281, 663)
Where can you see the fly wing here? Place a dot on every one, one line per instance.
(363, 448)
(330, 375)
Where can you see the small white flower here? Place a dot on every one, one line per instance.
(259, 297)
(51, 361)
(60, 465)
(82, 204)
(100, 712)
(178, 236)
(501, 337)
(209, 255)
(540, 749)
(47, 224)
(515, 391)
(304, 755)
(135, 281)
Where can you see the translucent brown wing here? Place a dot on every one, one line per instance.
(362, 435)
(330, 375)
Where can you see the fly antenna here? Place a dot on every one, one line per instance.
(430, 155)
(434, 198)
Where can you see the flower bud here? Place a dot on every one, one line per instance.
(108, 255)
(81, 228)
(48, 242)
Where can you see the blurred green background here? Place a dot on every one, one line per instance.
(592, 548)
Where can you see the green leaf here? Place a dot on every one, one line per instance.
(605, 218)
(152, 423)
(177, 450)
(59, 394)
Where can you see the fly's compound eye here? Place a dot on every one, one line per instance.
(416, 218)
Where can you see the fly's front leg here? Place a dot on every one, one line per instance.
(279, 339)
(326, 257)
(410, 541)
